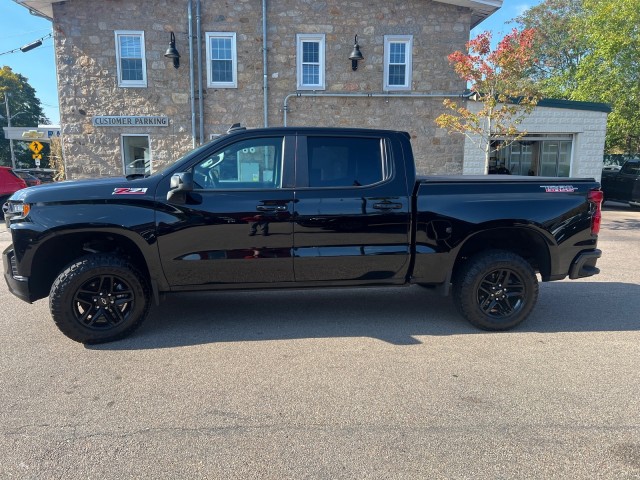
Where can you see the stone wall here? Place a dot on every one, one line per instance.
(87, 75)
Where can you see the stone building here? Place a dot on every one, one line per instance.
(124, 108)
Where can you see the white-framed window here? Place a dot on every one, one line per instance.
(310, 61)
(136, 154)
(130, 58)
(398, 62)
(222, 60)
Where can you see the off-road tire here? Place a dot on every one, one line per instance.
(495, 290)
(99, 298)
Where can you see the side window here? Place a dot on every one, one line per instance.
(248, 164)
(310, 61)
(631, 168)
(345, 162)
(130, 58)
(222, 58)
(398, 62)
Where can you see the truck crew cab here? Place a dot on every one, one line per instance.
(296, 207)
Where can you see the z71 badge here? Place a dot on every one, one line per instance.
(129, 191)
(559, 188)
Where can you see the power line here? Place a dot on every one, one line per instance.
(29, 46)
(22, 34)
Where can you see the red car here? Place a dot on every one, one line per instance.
(9, 183)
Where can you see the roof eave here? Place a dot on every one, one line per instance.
(39, 8)
(480, 9)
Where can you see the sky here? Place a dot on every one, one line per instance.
(18, 27)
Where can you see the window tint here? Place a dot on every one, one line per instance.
(631, 168)
(344, 162)
(248, 164)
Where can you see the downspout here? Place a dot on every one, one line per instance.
(369, 95)
(192, 86)
(265, 86)
(199, 45)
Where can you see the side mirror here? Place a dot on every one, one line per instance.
(181, 183)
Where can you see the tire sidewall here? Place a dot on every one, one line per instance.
(474, 273)
(63, 291)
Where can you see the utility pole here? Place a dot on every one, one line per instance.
(9, 117)
(6, 104)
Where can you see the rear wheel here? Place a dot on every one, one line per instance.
(99, 298)
(495, 290)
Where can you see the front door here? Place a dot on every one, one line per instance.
(236, 227)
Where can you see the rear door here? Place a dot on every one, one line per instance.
(352, 211)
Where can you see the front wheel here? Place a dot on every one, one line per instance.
(99, 298)
(495, 290)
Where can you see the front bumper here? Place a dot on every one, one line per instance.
(17, 284)
(584, 265)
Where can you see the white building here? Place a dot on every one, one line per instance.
(564, 139)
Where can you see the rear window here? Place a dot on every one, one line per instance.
(345, 162)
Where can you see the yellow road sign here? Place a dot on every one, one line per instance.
(36, 147)
(37, 156)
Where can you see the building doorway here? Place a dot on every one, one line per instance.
(136, 155)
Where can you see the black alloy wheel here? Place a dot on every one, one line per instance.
(495, 290)
(501, 293)
(99, 298)
(103, 302)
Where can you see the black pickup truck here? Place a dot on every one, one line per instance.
(296, 207)
(623, 185)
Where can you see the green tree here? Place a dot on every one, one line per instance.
(559, 47)
(589, 50)
(499, 82)
(25, 110)
(610, 72)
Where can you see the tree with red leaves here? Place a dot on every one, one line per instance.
(499, 80)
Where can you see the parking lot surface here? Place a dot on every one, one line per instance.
(379, 383)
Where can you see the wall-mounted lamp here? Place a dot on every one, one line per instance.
(172, 52)
(355, 55)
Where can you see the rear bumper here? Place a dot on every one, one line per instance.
(17, 284)
(584, 265)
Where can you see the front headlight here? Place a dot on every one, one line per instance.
(17, 209)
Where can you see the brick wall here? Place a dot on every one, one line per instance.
(587, 127)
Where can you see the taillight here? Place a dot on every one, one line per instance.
(595, 197)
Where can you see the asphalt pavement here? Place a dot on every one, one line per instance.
(332, 384)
